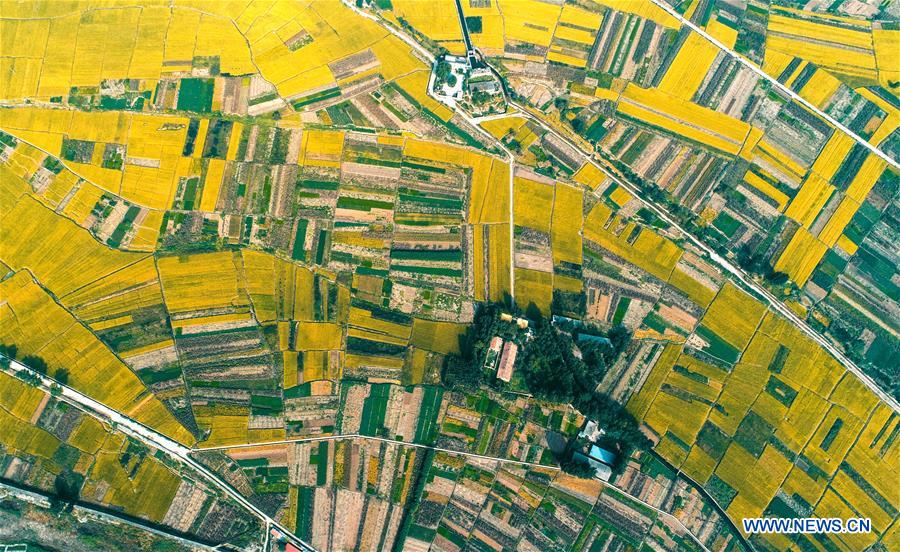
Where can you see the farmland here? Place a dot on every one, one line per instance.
(268, 232)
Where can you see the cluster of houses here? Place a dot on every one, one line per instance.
(507, 351)
(502, 353)
(465, 79)
(591, 453)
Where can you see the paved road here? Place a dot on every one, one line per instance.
(747, 63)
(153, 438)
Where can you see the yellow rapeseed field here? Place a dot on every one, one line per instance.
(533, 204)
(436, 19)
(801, 256)
(689, 68)
(529, 21)
(437, 336)
(37, 325)
(886, 42)
(565, 232)
(533, 286)
(813, 195)
(754, 180)
(683, 118)
(734, 315)
(649, 251)
(832, 155)
(318, 336)
(838, 221)
(590, 176)
(201, 281)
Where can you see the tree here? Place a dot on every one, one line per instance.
(462, 373)
(577, 124)
(777, 278)
(36, 363)
(569, 303)
(619, 337)
(576, 467)
(62, 376)
(67, 488)
(443, 70)
(8, 350)
(594, 355)
(620, 428)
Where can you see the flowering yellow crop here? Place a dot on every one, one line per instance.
(690, 66)
(809, 200)
(565, 232)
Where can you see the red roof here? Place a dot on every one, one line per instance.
(496, 343)
(507, 361)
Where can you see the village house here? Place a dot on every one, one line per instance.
(507, 361)
(490, 359)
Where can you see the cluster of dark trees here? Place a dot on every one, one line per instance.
(34, 362)
(66, 491)
(552, 371)
(757, 265)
